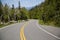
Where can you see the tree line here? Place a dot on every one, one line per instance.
(11, 13)
(48, 11)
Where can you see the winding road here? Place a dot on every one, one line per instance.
(29, 30)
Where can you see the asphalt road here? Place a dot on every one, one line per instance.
(30, 31)
(11, 32)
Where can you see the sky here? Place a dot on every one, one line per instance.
(23, 3)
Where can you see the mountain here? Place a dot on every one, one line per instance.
(28, 8)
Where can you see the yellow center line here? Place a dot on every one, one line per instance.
(22, 36)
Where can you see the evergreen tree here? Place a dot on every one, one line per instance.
(5, 17)
(48, 11)
(24, 14)
(12, 13)
(19, 5)
(1, 11)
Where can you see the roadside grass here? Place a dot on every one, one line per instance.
(41, 22)
(11, 22)
(48, 23)
(5, 24)
(19, 21)
(1, 25)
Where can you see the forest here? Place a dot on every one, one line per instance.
(48, 12)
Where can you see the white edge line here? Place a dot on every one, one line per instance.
(47, 32)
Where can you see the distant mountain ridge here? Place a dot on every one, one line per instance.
(28, 8)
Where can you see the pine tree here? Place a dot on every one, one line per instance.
(12, 13)
(19, 5)
(1, 11)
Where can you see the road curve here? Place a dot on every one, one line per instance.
(34, 31)
(11, 32)
(30, 30)
(22, 35)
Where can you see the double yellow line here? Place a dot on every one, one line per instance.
(22, 36)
